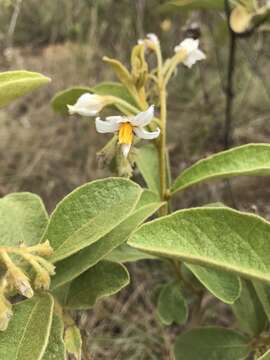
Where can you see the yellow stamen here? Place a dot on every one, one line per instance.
(125, 133)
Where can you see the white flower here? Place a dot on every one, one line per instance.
(193, 53)
(150, 42)
(126, 127)
(88, 105)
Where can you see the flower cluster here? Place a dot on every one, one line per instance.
(126, 127)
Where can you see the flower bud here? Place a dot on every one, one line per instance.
(89, 104)
(42, 280)
(20, 281)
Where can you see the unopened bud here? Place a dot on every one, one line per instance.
(43, 249)
(20, 281)
(42, 280)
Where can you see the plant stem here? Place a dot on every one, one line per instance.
(229, 85)
(163, 149)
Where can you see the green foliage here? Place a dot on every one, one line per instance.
(73, 266)
(28, 333)
(68, 97)
(171, 306)
(114, 89)
(102, 280)
(225, 286)
(125, 253)
(211, 343)
(89, 213)
(215, 237)
(23, 219)
(251, 159)
(148, 164)
(248, 310)
(56, 348)
(14, 84)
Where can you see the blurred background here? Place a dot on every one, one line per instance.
(50, 155)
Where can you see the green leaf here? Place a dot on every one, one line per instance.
(14, 84)
(28, 333)
(23, 219)
(223, 285)
(104, 279)
(114, 89)
(171, 306)
(211, 343)
(68, 97)
(125, 253)
(89, 213)
(180, 5)
(56, 348)
(222, 238)
(147, 197)
(73, 341)
(73, 266)
(264, 296)
(248, 310)
(251, 159)
(148, 165)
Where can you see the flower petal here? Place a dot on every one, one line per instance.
(87, 105)
(125, 149)
(105, 127)
(143, 118)
(188, 44)
(195, 56)
(143, 134)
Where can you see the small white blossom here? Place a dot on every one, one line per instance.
(126, 127)
(191, 47)
(88, 105)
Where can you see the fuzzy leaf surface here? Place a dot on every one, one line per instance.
(89, 213)
(23, 219)
(212, 343)
(28, 333)
(73, 266)
(14, 84)
(222, 238)
(251, 159)
(56, 348)
(102, 280)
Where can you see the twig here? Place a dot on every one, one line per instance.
(229, 85)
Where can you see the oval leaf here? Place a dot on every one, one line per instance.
(248, 310)
(114, 89)
(217, 237)
(171, 306)
(89, 213)
(104, 279)
(73, 266)
(14, 84)
(28, 333)
(223, 285)
(23, 219)
(251, 159)
(211, 343)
